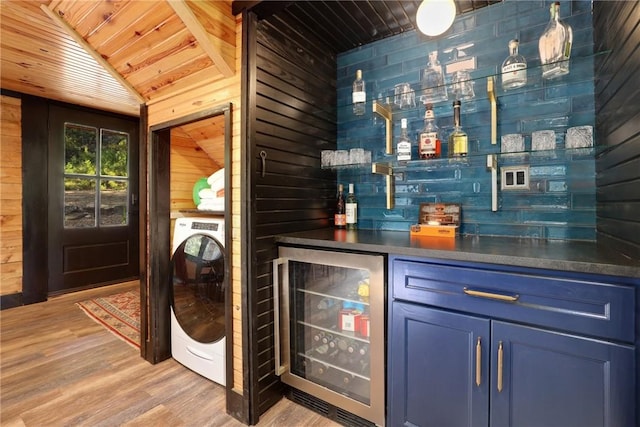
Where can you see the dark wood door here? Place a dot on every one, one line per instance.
(93, 199)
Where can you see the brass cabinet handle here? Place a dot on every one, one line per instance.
(500, 365)
(478, 362)
(490, 295)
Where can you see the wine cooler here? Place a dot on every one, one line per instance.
(330, 327)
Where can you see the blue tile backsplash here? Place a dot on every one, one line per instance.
(560, 203)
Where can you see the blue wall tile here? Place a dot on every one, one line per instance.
(560, 203)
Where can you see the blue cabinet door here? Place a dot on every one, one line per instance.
(434, 358)
(554, 379)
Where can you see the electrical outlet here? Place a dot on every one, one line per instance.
(515, 177)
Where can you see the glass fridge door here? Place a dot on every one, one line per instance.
(330, 326)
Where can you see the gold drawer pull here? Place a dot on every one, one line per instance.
(478, 362)
(481, 294)
(500, 365)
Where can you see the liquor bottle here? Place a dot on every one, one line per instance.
(514, 68)
(351, 208)
(433, 86)
(429, 145)
(358, 94)
(340, 216)
(458, 140)
(555, 45)
(403, 147)
(352, 348)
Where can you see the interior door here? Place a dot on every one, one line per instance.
(93, 199)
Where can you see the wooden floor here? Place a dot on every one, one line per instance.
(60, 368)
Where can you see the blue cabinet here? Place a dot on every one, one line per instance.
(470, 345)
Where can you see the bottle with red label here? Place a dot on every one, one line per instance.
(429, 144)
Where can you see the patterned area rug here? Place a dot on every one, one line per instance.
(119, 313)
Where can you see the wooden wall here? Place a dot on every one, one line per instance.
(188, 164)
(295, 118)
(206, 95)
(10, 196)
(618, 124)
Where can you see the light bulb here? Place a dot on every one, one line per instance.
(434, 17)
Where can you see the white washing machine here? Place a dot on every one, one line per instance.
(197, 296)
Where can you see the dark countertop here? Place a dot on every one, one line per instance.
(576, 256)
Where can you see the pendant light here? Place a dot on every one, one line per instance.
(434, 17)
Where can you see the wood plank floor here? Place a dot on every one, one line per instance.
(60, 368)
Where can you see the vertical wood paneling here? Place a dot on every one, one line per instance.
(294, 120)
(10, 195)
(618, 125)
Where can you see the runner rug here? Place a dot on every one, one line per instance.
(119, 313)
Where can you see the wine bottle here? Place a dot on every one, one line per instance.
(403, 147)
(555, 45)
(340, 216)
(458, 140)
(351, 209)
(429, 145)
(358, 95)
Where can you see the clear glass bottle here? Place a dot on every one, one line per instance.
(514, 68)
(458, 140)
(461, 81)
(351, 209)
(433, 85)
(555, 45)
(358, 94)
(403, 146)
(340, 216)
(429, 144)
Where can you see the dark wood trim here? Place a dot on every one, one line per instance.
(159, 328)
(35, 231)
(249, 246)
(156, 344)
(11, 300)
(143, 153)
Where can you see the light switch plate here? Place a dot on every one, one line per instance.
(514, 178)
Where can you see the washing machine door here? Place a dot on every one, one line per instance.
(199, 287)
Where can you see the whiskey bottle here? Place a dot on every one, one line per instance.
(514, 68)
(358, 94)
(403, 147)
(555, 45)
(429, 145)
(340, 216)
(458, 140)
(351, 208)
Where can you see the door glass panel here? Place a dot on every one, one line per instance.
(114, 153)
(79, 202)
(114, 202)
(80, 149)
(81, 173)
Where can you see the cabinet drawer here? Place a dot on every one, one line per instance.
(569, 303)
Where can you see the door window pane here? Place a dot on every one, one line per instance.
(79, 203)
(114, 153)
(114, 202)
(80, 149)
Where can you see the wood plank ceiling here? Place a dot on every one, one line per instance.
(114, 55)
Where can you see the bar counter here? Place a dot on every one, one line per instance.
(574, 256)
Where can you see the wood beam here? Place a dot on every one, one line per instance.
(91, 51)
(190, 20)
